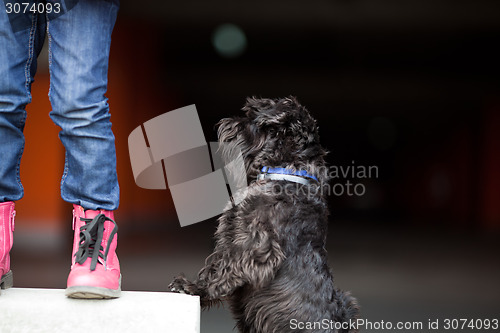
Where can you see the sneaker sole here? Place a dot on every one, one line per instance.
(88, 292)
(7, 281)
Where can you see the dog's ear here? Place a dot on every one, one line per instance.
(228, 128)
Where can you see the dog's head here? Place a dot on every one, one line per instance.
(275, 133)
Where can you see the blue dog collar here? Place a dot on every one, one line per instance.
(297, 176)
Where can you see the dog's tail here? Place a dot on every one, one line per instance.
(347, 310)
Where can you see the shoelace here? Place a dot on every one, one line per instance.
(91, 234)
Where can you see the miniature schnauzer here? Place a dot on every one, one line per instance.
(270, 261)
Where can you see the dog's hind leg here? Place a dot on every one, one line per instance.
(347, 309)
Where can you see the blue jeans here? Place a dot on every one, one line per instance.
(79, 43)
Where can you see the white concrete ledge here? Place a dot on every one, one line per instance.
(48, 310)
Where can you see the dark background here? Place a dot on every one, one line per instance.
(411, 87)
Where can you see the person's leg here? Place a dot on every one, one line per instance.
(79, 45)
(20, 47)
(21, 39)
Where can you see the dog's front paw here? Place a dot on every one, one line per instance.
(183, 286)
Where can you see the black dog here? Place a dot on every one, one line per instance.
(270, 261)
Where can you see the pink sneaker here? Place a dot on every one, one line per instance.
(7, 214)
(95, 270)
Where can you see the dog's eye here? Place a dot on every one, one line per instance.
(271, 131)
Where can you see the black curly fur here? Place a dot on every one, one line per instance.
(270, 261)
